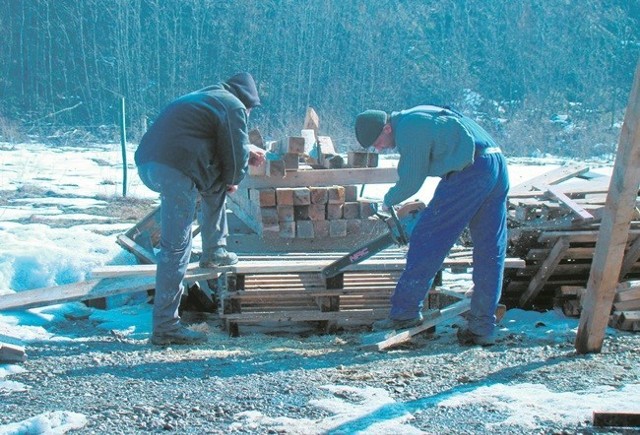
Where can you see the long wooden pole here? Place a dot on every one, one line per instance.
(614, 230)
(123, 145)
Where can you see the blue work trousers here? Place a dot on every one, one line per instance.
(474, 197)
(178, 200)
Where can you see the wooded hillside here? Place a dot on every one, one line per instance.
(552, 76)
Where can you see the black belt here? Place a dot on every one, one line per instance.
(488, 150)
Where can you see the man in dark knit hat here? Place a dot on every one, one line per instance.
(198, 146)
(440, 142)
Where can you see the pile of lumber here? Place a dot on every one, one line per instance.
(289, 288)
(625, 312)
(554, 222)
(309, 148)
(304, 212)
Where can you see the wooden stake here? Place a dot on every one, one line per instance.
(614, 230)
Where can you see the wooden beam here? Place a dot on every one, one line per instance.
(630, 258)
(561, 197)
(433, 318)
(325, 177)
(545, 271)
(306, 315)
(10, 353)
(616, 419)
(143, 254)
(556, 176)
(614, 230)
(254, 267)
(85, 290)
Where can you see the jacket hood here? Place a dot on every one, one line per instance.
(244, 87)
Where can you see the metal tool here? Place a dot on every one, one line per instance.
(400, 223)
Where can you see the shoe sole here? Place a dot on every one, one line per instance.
(216, 265)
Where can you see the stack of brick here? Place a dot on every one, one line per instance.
(310, 212)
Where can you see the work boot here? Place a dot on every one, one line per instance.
(220, 257)
(182, 335)
(468, 338)
(393, 324)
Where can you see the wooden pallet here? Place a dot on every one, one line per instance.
(282, 290)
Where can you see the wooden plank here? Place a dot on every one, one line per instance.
(306, 315)
(629, 321)
(580, 236)
(573, 193)
(628, 305)
(432, 319)
(147, 228)
(630, 258)
(555, 176)
(280, 294)
(268, 266)
(545, 271)
(85, 290)
(627, 294)
(143, 254)
(325, 177)
(92, 289)
(11, 353)
(311, 120)
(559, 195)
(614, 230)
(616, 419)
(245, 209)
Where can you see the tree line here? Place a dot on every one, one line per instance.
(538, 74)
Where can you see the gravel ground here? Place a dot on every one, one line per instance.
(256, 382)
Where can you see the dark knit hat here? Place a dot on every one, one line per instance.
(244, 87)
(369, 125)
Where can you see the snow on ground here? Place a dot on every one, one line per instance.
(36, 253)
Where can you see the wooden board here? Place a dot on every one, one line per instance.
(85, 290)
(561, 197)
(616, 419)
(545, 271)
(270, 266)
(325, 177)
(614, 230)
(11, 353)
(556, 176)
(432, 319)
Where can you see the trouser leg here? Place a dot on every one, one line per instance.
(438, 228)
(456, 201)
(177, 209)
(213, 221)
(489, 233)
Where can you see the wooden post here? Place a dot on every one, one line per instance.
(123, 145)
(614, 230)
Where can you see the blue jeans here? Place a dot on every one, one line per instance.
(178, 199)
(477, 197)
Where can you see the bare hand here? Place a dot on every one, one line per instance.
(256, 157)
(232, 188)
